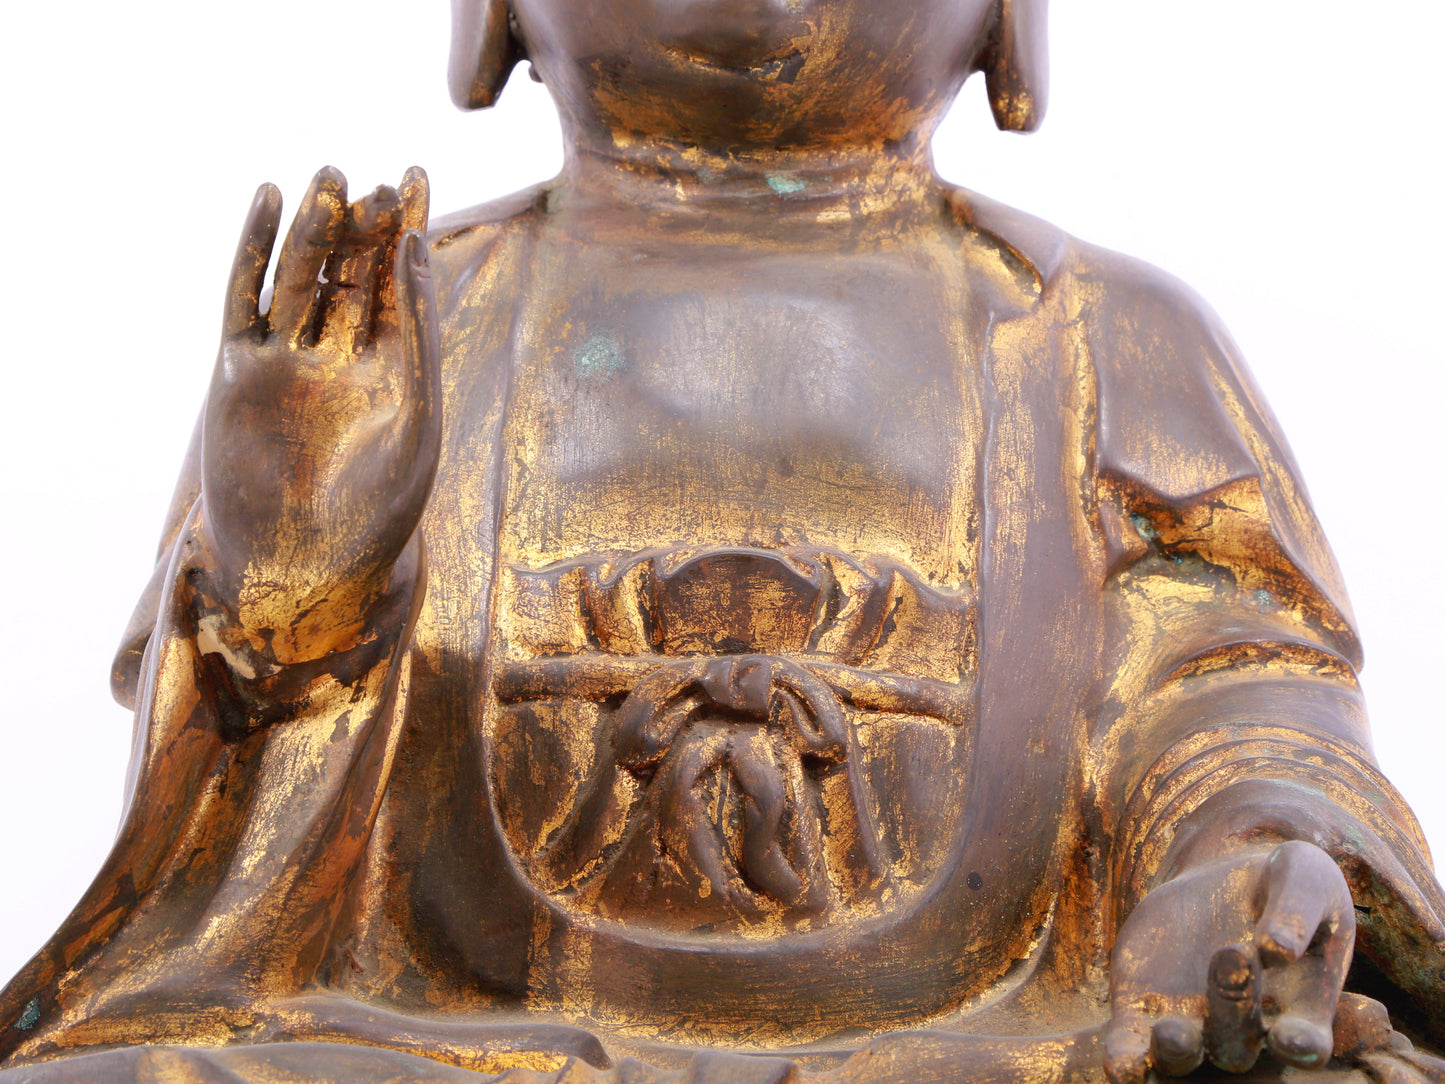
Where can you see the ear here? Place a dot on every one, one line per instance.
(484, 51)
(1016, 64)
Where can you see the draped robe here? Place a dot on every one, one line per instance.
(567, 804)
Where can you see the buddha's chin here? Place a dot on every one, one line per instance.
(735, 34)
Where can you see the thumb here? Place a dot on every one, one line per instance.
(420, 417)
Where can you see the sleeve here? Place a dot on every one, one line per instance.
(125, 670)
(250, 799)
(1233, 714)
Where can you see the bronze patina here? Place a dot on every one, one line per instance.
(744, 611)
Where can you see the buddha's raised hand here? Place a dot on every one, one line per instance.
(1228, 959)
(323, 421)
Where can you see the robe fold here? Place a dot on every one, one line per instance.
(359, 851)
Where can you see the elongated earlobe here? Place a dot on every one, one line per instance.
(1016, 65)
(484, 52)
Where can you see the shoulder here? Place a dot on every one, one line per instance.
(1178, 410)
(1179, 427)
(1037, 249)
(1179, 423)
(1129, 297)
(464, 244)
(1098, 282)
(486, 219)
(1173, 400)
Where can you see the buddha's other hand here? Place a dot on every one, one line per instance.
(1229, 958)
(322, 425)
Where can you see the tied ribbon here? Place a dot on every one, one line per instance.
(760, 688)
(730, 753)
(761, 720)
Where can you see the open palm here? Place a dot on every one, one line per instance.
(322, 425)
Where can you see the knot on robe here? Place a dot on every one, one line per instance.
(731, 737)
(754, 725)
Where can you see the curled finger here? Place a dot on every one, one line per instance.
(1304, 891)
(358, 294)
(1305, 939)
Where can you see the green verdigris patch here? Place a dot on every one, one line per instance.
(599, 357)
(31, 1016)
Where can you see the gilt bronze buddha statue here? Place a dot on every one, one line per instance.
(744, 610)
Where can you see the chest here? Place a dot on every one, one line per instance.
(743, 400)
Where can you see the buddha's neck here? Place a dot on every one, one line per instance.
(654, 184)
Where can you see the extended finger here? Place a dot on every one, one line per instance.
(1300, 1040)
(1177, 1045)
(317, 228)
(1234, 1020)
(253, 253)
(1306, 993)
(415, 200)
(1127, 1049)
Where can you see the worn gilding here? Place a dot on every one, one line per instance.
(743, 611)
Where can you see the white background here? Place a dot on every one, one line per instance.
(1279, 155)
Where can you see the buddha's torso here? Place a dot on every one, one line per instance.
(729, 643)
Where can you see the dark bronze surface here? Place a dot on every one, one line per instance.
(745, 597)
